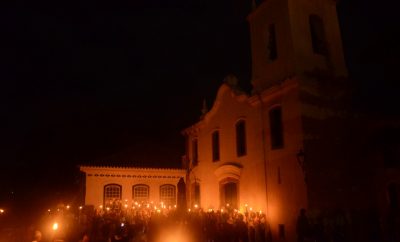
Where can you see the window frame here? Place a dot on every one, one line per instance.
(272, 46)
(110, 185)
(195, 151)
(141, 198)
(318, 35)
(215, 146)
(172, 200)
(241, 138)
(277, 138)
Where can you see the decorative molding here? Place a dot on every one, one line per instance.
(135, 176)
(228, 170)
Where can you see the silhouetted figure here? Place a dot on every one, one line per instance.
(241, 229)
(302, 226)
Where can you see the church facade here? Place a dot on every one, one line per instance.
(275, 151)
(292, 143)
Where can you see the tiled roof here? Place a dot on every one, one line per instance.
(128, 164)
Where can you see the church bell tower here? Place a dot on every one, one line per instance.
(292, 37)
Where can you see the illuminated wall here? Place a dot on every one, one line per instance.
(99, 177)
(268, 179)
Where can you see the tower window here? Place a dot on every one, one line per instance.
(317, 35)
(195, 154)
(272, 50)
(275, 122)
(215, 145)
(241, 138)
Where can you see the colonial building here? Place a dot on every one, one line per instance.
(293, 143)
(283, 147)
(105, 185)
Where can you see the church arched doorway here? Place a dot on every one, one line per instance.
(229, 193)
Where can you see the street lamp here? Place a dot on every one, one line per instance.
(300, 158)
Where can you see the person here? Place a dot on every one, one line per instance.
(37, 237)
(302, 226)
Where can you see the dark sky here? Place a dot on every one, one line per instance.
(92, 80)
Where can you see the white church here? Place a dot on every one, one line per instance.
(275, 150)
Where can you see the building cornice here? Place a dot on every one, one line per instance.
(274, 91)
(127, 168)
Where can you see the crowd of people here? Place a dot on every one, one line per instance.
(193, 226)
(154, 225)
(117, 223)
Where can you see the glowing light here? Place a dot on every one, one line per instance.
(175, 206)
(189, 210)
(48, 210)
(122, 224)
(227, 204)
(246, 205)
(1, 210)
(108, 209)
(175, 235)
(251, 209)
(68, 206)
(222, 210)
(101, 206)
(80, 207)
(196, 206)
(55, 226)
(126, 205)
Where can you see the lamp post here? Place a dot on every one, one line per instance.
(301, 160)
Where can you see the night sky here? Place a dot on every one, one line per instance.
(84, 81)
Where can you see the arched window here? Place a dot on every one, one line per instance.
(241, 138)
(276, 127)
(272, 50)
(140, 193)
(112, 193)
(195, 152)
(195, 193)
(215, 145)
(168, 194)
(317, 35)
